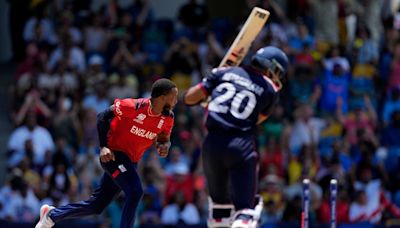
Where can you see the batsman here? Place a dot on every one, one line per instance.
(241, 98)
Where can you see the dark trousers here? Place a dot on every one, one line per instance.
(230, 166)
(119, 175)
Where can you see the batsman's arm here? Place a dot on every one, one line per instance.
(267, 111)
(195, 95)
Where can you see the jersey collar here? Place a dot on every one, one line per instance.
(276, 89)
(149, 112)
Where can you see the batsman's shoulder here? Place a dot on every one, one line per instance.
(220, 70)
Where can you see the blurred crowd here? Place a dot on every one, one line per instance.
(338, 116)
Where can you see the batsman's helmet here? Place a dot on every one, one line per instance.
(272, 59)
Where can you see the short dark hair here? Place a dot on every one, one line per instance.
(161, 87)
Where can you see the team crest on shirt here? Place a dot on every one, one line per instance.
(139, 118)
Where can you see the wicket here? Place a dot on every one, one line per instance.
(306, 203)
(333, 193)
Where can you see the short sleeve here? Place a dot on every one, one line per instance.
(211, 80)
(169, 124)
(124, 107)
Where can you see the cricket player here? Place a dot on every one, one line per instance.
(241, 98)
(126, 130)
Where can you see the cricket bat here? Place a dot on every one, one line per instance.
(242, 43)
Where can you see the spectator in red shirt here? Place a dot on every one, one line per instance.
(126, 131)
(180, 180)
(342, 208)
(272, 161)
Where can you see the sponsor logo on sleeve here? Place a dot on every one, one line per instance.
(118, 108)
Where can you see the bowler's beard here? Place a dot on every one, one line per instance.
(166, 110)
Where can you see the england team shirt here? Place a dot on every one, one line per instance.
(134, 128)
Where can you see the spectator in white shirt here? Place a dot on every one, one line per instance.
(95, 35)
(73, 54)
(180, 212)
(41, 139)
(97, 101)
(361, 210)
(22, 205)
(39, 29)
(306, 129)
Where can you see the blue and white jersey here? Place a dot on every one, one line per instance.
(238, 96)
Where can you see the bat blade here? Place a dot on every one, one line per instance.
(242, 43)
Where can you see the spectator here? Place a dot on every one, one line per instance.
(306, 129)
(271, 190)
(123, 56)
(180, 180)
(303, 38)
(71, 53)
(302, 85)
(22, 204)
(293, 209)
(65, 123)
(342, 207)
(18, 156)
(95, 73)
(177, 161)
(28, 64)
(142, 15)
(364, 118)
(42, 141)
(392, 104)
(95, 35)
(125, 86)
(180, 212)
(89, 129)
(334, 85)
(39, 29)
(66, 26)
(272, 159)
(391, 133)
(181, 57)
(275, 125)
(326, 18)
(98, 100)
(368, 52)
(150, 214)
(33, 104)
(394, 75)
(359, 210)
